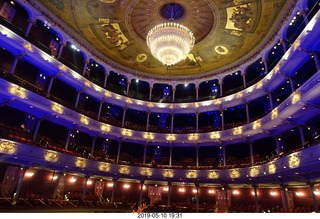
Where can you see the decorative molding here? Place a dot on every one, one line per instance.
(192, 174)
(80, 162)
(51, 156)
(105, 167)
(213, 174)
(254, 171)
(294, 160)
(146, 171)
(7, 147)
(235, 173)
(168, 173)
(124, 169)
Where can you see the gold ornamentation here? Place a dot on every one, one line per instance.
(57, 108)
(105, 167)
(235, 173)
(124, 169)
(295, 97)
(294, 160)
(84, 120)
(168, 173)
(274, 114)
(272, 168)
(212, 174)
(192, 174)
(222, 50)
(81, 162)
(146, 171)
(17, 91)
(141, 57)
(254, 171)
(7, 147)
(51, 156)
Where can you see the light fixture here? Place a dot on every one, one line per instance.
(170, 42)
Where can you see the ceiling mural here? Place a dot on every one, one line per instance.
(226, 31)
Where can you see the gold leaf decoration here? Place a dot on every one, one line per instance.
(124, 169)
(81, 162)
(168, 173)
(105, 167)
(235, 173)
(146, 171)
(192, 174)
(51, 156)
(212, 174)
(294, 160)
(272, 168)
(7, 147)
(254, 171)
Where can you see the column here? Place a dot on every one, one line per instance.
(62, 45)
(50, 85)
(77, 99)
(124, 116)
(197, 154)
(55, 192)
(36, 130)
(170, 158)
(128, 87)
(279, 145)
(31, 22)
(169, 191)
(173, 93)
(244, 74)
(141, 190)
(197, 92)
(148, 119)
(226, 197)
(220, 84)
(197, 196)
(150, 92)
(265, 65)
(17, 193)
(145, 152)
(68, 139)
(197, 121)
(305, 18)
(100, 108)
(84, 189)
(291, 84)
(316, 60)
(224, 155)
(256, 197)
(314, 197)
(172, 118)
(222, 119)
(247, 112)
(285, 203)
(94, 138)
(283, 43)
(118, 154)
(86, 62)
(113, 189)
(271, 102)
(251, 152)
(105, 79)
(14, 64)
(303, 140)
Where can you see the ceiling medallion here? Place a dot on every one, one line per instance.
(170, 42)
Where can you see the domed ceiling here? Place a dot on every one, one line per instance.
(227, 32)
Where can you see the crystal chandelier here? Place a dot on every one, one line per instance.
(170, 42)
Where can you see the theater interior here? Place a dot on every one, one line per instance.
(91, 120)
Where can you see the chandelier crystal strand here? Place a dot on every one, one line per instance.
(170, 42)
